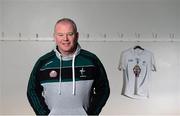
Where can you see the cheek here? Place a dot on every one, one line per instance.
(74, 40)
(57, 40)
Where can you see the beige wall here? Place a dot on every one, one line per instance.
(0, 50)
(31, 17)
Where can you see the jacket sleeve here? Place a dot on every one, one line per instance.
(34, 93)
(100, 90)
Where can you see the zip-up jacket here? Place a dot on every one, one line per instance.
(72, 85)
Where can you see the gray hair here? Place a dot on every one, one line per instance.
(68, 20)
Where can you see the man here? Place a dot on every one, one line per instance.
(68, 80)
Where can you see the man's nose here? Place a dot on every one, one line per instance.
(66, 37)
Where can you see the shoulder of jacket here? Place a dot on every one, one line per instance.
(88, 54)
(47, 56)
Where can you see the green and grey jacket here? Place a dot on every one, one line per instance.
(73, 85)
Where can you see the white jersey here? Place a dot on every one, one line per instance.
(137, 65)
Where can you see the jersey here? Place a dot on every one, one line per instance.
(137, 65)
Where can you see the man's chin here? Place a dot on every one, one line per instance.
(67, 50)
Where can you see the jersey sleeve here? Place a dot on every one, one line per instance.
(121, 65)
(34, 93)
(153, 63)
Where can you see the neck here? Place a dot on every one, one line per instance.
(68, 53)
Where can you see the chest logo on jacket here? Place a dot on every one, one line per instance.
(53, 74)
(82, 71)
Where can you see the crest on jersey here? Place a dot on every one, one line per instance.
(136, 70)
(82, 71)
(53, 74)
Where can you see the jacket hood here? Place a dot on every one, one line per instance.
(65, 58)
(69, 57)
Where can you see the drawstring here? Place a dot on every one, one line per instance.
(61, 58)
(73, 74)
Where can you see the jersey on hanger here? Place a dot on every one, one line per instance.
(137, 65)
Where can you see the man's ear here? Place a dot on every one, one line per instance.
(54, 37)
(77, 35)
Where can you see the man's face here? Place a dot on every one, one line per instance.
(65, 38)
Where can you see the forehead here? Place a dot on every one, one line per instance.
(64, 25)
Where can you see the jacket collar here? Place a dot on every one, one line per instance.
(69, 57)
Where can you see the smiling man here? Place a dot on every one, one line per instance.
(68, 80)
(66, 36)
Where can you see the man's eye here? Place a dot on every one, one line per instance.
(71, 34)
(60, 34)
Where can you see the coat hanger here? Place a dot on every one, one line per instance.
(138, 47)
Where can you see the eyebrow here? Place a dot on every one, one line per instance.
(64, 33)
